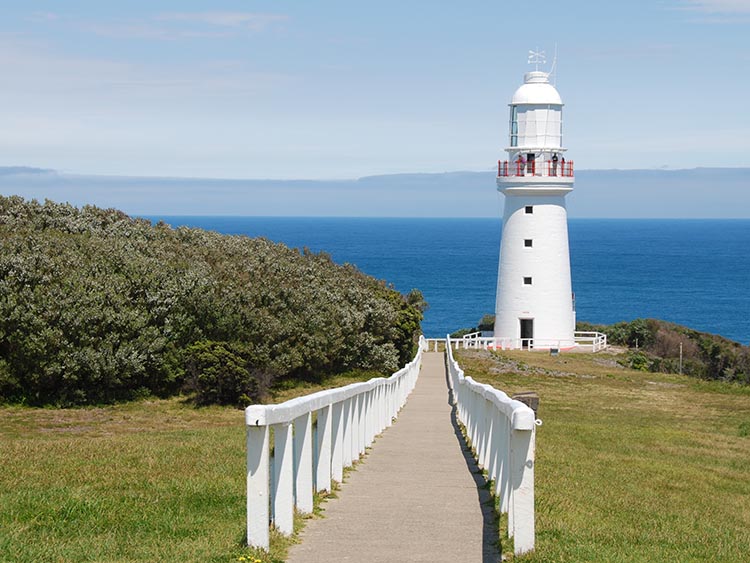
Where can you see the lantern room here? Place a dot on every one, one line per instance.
(535, 131)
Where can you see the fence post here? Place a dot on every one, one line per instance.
(323, 468)
(347, 423)
(303, 478)
(258, 474)
(283, 486)
(489, 408)
(380, 408)
(368, 418)
(362, 400)
(337, 441)
(492, 443)
(503, 485)
(481, 445)
(522, 444)
(356, 426)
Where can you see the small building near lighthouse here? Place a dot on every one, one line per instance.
(535, 307)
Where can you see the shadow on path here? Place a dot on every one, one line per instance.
(491, 522)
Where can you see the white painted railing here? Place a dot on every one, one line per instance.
(348, 419)
(502, 432)
(597, 340)
(431, 344)
(593, 341)
(471, 336)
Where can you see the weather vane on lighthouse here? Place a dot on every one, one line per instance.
(536, 58)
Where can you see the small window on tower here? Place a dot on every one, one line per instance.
(527, 281)
(528, 243)
(529, 209)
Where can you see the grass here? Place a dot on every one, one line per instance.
(154, 480)
(631, 466)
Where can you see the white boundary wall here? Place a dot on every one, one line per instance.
(502, 432)
(348, 419)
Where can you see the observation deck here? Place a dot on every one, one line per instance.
(547, 169)
(535, 178)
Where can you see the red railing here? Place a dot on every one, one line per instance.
(562, 169)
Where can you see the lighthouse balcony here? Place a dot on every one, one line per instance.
(548, 169)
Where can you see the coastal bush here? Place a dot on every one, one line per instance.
(96, 307)
(486, 324)
(638, 361)
(218, 374)
(656, 346)
(704, 355)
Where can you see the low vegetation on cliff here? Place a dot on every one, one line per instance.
(97, 307)
(655, 346)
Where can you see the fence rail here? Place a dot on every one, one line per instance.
(595, 341)
(304, 461)
(502, 432)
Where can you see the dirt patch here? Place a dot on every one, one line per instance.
(502, 364)
(608, 362)
(666, 385)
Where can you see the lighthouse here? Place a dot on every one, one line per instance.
(535, 307)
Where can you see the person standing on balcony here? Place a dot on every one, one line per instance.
(554, 164)
(521, 164)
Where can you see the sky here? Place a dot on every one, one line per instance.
(343, 89)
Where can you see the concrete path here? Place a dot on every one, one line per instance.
(416, 496)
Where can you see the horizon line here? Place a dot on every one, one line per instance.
(24, 170)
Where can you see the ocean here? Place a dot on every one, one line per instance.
(691, 272)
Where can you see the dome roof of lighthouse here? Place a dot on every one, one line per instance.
(536, 89)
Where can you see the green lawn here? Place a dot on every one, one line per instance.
(631, 466)
(148, 481)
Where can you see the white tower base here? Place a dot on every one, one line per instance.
(534, 307)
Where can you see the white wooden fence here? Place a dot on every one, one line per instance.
(502, 432)
(348, 419)
(582, 341)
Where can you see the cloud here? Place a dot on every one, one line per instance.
(138, 30)
(237, 20)
(169, 26)
(715, 11)
(41, 80)
(44, 16)
(718, 6)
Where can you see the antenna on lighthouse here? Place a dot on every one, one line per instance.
(536, 58)
(552, 72)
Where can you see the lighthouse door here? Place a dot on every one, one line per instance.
(527, 333)
(531, 163)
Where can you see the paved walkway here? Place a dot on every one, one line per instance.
(415, 497)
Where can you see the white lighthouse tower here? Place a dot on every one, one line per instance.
(535, 307)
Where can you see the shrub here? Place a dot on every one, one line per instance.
(97, 307)
(703, 355)
(639, 361)
(218, 374)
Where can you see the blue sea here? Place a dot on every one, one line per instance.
(692, 272)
